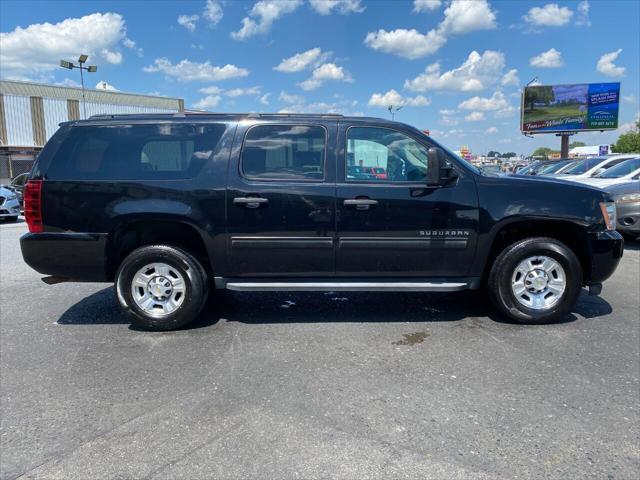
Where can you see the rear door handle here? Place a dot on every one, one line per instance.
(360, 203)
(250, 202)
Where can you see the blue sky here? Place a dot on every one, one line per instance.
(457, 67)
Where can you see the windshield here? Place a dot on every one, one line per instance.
(524, 170)
(581, 166)
(622, 169)
(554, 167)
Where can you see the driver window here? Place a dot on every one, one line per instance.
(384, 155)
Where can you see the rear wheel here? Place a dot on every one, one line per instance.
(537, 280)
(161, 287)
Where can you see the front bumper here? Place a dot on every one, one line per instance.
(628, 215)
(606, 251)
(10, 208)
(75, 256)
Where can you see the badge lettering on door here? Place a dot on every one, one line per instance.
(444, 233)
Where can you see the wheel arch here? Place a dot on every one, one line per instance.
(504, 233)
(132, 233)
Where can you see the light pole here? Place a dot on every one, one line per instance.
(393, 111)
(90, 69)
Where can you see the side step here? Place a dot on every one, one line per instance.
(350, 286)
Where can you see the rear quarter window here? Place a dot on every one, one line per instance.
(134, 152)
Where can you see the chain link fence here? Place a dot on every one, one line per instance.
(12, 165)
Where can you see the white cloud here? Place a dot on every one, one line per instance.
(38, 48)
(491, 130)
(583, 14)
(344, 107)
(448, 111)
(460, 17)
(211, 90)
(552, 58)
(188, 21)
(629, 98)
(475, 117)
(497, 101)
(448, 121)
(510, 78)
(344, 7)
(607, 67)
(102, 85)
(551, 15)
(426, 5)
(262, 16)
(405, 43)
(301, 61)
(67, 82)
(395, 99)
(478, 72)
(131, 45)
(210, 101)
(241, 92)
(464, 16)
(325, 72)
(212, 12)
(188, 71)
(264, 99)
(289, 98)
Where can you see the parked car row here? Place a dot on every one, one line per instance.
(618, 175)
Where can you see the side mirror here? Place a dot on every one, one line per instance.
(438, 173)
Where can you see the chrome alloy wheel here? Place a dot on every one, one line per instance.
(158, 289)
(538, 282)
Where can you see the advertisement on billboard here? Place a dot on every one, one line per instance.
(570, 108)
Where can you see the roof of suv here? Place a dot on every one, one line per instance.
(223, 116)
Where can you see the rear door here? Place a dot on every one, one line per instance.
(281, 199)
(390, 224)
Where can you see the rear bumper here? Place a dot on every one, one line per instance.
(76, 256)
(606, 251)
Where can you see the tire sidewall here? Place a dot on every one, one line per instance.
(194, 290)
(552, 249)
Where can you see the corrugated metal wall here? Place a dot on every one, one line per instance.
(55, 112)
(19, 123)
(94, 108)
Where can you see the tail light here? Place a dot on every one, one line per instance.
(33, 205)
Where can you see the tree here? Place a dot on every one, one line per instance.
(577, 144)
(543, 94)
(628, 142)
(493, 153)
(542, 152)
(508, 155)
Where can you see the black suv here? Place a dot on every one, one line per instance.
(167, 206)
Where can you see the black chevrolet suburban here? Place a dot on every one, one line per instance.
(168, 206)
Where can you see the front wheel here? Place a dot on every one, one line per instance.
(536, 280)
(161, 287)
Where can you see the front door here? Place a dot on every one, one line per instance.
(390, 224)
(281, 200)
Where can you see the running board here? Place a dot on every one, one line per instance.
(343, 286)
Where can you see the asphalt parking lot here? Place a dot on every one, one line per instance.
(316, 386)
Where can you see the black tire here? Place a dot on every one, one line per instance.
(195, 279)
(500, 277)
(11, 219)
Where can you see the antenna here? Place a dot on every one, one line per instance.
(393, 110)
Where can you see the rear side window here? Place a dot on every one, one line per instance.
(284, 152)
(134, 152)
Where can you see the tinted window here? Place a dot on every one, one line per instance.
(134, 152)
(284, 152)
(621, 169)
(394, 156)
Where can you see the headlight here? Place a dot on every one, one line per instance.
(628, 198)
(608, 210)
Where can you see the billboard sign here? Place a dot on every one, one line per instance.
(570, 108)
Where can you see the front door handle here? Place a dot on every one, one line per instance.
(360, 203)
(250, 202)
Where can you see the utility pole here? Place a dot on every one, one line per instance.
(90, 69)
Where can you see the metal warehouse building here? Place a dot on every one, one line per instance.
(31, 112)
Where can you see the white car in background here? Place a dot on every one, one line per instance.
(623, 172)
(590, 167)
